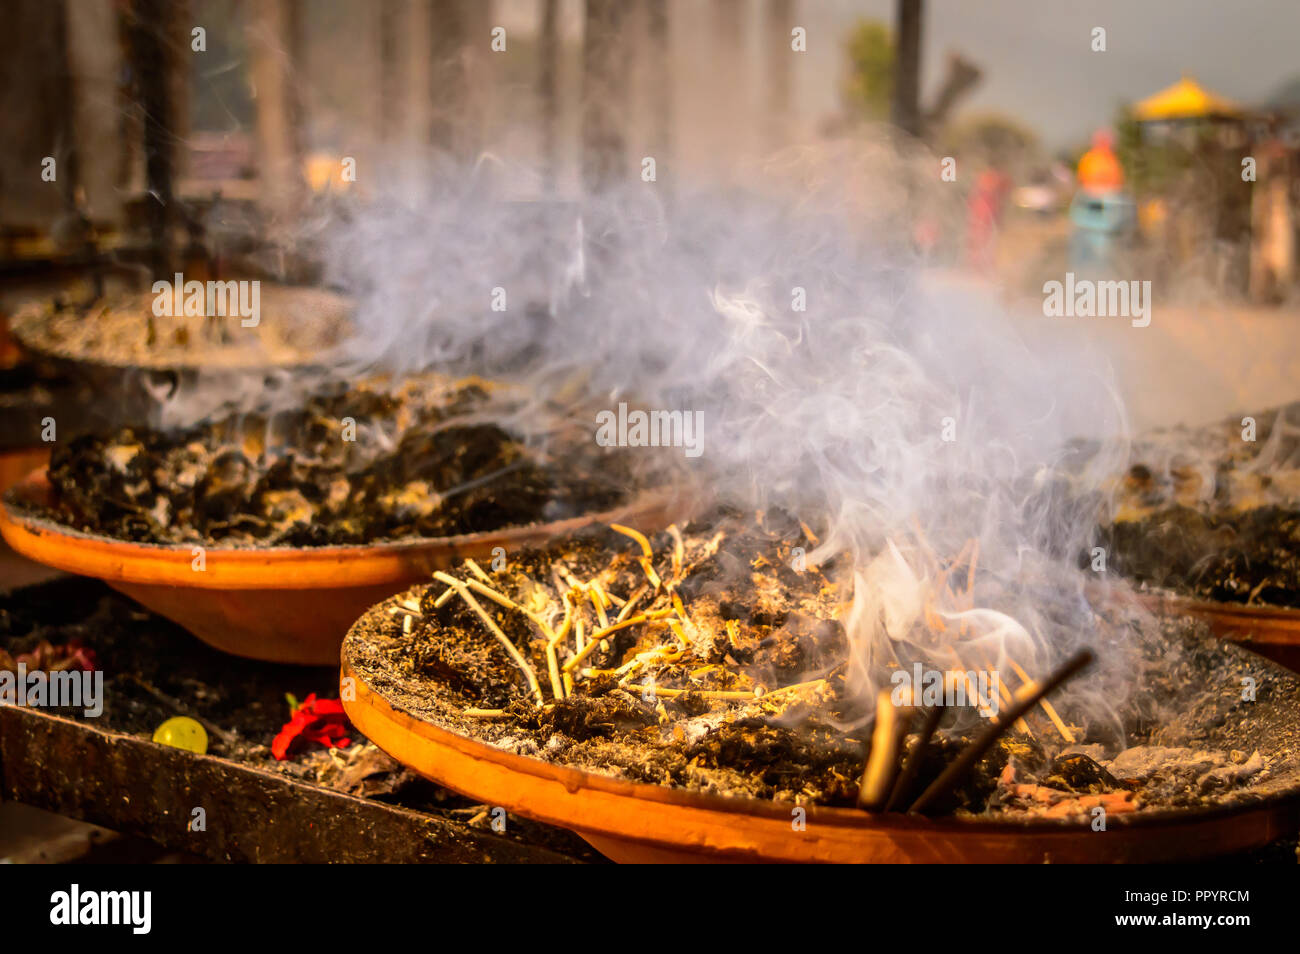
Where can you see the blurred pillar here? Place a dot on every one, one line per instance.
(153, 63)
(447, 75)
(392, 16)
(460, 88)
(95, 66)
(1272, 225)
(604, 94)
(279, 160)
(779, 58)
(735, 130)
(480, 70)
(659, 79)
(417, 70)
(548, 90)
(33, 104)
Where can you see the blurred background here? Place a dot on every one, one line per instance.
(1153, 142)
(1093, 137)
(240, 110)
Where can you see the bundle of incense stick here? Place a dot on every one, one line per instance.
(700, 657)
(575, 622)
(576, 619)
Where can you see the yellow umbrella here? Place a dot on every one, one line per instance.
(1186, 99)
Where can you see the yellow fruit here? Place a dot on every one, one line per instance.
(182, 732)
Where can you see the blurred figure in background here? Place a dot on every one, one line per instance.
(1102, 216)
(983, 217)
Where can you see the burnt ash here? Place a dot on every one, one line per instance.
(437, 470)
(1250, 557)
(1186, 739)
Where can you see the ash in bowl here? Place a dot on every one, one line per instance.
(294, 326)
(708, 659)
(376, 463)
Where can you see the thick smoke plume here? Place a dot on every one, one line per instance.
(900, 408)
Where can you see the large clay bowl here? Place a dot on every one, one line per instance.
(1271, 631)
(131, 394)
(16, 464)
(636, 822)
(278, 604)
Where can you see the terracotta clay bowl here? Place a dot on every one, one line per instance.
(1271, 631)
(277, 604)
(131, 393)
(16, 464)
(637, 822)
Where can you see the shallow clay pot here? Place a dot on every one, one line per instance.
(16, 464)
(1271, 631)
(637, 822)
(278, 604)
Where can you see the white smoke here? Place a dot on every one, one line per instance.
(902, 409)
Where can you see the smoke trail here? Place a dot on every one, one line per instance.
(836, 375)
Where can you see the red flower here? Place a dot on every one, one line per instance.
(316, 720)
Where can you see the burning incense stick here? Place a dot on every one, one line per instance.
(1007, 698)
(892, 723)
(738, 696)
(484, 713)
(1061, 727)
(958, 768)
(601, 634)
(913, 764)
(795, 687)
(478, 571)
(1021, 724)
(647, 554)
(553, 670)
(502, 600)
(679, 554)
(630, 604)
(463, 591)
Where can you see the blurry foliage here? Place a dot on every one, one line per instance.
(991, 139)
(869, 85)
(1152, 163)
(1287, 95)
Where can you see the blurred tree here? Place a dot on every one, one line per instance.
(1152, 163)
(905, 104)
(961, 76)
(868, 88)
(991, 139)
(1287, 96)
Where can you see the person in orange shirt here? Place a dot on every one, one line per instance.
(1099, 169)
(1102, 215)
